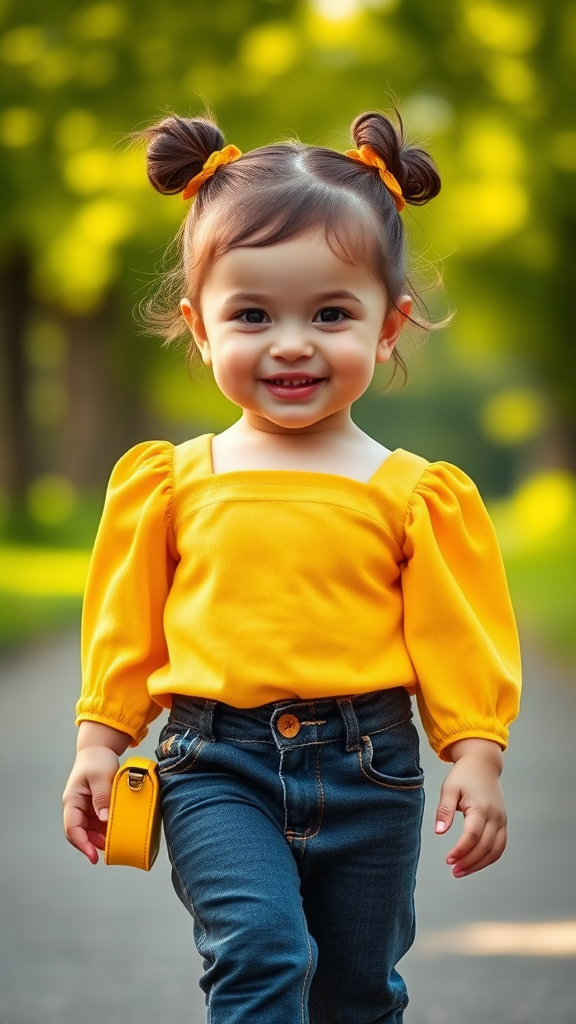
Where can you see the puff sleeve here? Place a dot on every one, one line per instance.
(459, 625)
(129, 578)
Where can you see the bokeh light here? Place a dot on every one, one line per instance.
(514, 416)
(19, 126)
(503, 27)
(270, 49)
(538, 512)
(51, 498)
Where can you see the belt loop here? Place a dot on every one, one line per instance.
(206, 720)
(346, 709)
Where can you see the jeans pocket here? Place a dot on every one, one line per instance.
(391, 758)
(178, 748)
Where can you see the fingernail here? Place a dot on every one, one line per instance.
(440, 826)
(458, 874)
(103, 814)
(451, 860)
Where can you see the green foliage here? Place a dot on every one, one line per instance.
(542, 588)
(487, 84)
(490, 84)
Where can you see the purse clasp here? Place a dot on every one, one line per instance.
(136, 779)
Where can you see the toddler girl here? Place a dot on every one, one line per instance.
(285, 586)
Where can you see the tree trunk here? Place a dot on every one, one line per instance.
(15, 310)
(104, 415)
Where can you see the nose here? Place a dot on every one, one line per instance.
(291, 344)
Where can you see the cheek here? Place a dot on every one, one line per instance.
(357, 360)
(233, 363)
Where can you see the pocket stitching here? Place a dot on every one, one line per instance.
(195, 752)
(380, 782)
(181, 763)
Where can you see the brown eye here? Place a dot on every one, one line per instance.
(252, 316)
(331, 315)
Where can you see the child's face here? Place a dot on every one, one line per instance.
(293, 332)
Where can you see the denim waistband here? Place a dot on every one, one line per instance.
(325, 720)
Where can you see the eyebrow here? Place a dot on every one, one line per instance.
(323, 297)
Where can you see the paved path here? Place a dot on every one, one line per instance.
(79, 945)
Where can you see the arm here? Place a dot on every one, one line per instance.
(473, 787)
(462, 639)
(123, 640)
(87, 795)
(458, 619)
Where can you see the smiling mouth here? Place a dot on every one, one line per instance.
(292, 382)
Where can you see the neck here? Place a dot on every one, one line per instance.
(251, 425)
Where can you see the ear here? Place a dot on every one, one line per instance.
(197, 329)
(392, 326)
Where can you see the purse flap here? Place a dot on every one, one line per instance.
(133, 836)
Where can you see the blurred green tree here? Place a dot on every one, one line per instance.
(489, 84)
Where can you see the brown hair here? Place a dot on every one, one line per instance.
(276, 192)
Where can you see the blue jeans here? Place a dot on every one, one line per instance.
(294, 834)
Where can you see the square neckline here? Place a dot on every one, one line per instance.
(293, 472)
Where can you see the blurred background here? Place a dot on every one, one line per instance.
(487, 85)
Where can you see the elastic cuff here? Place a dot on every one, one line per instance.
(137, 737)
(440, 747)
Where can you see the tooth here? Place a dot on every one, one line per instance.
(285, 382)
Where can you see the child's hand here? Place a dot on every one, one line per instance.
(86, 799)
(473, 787)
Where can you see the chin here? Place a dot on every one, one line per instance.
(296, 422)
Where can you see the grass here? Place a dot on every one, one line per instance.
(40, 590)
(43, 570)
(24, 617)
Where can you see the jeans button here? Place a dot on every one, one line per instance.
(288, 725)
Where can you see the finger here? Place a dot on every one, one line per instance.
(474, 823)
(97, 839)
(490, 858)
(96, 834)
(79, 838)
(94, 824)
(101, 806)
(76, 826)
(101, 790)
(482, 848)
(449, 796)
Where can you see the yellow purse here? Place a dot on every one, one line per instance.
(133, 831)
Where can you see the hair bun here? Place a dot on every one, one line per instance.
(178, 148)
(413, 168)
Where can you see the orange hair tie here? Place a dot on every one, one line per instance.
(366, 155)
(219, 158)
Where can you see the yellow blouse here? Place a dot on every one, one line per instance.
(263, 585)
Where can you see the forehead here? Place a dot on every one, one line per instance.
(305, 264)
